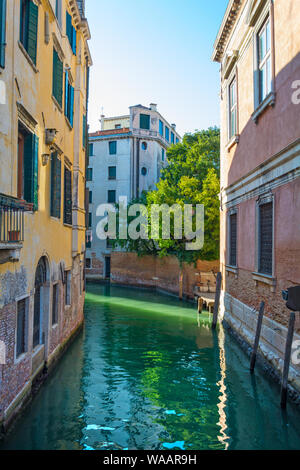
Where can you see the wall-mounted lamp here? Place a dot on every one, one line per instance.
(50, 136)
(45, 159)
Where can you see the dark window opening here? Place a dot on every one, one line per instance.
(266, 238)
(145, 121)
(112, 147)
(68, 215)
(55, 204)
(55, 304)
(112, 172)
(21, 327)
(233, 240)
(111, 196)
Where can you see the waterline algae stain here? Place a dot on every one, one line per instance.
(146, 373)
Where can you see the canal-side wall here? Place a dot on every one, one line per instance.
(20, 377)
(242, 320)
(162, 274)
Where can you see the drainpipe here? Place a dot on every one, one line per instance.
(138, 168)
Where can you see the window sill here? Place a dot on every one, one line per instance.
(268, 101)
(21, 358)
(265, 279)
(68, 225)
(30, 61)
(57, 104)
(232, 269)
(233, 141)
(54, 327)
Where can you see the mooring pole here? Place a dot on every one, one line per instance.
(287, 359)
(257, 337)
(217, 300)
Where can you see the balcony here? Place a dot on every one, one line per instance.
(11, 227)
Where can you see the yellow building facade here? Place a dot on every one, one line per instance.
(44, 69)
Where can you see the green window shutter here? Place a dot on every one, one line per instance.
(33, 13)
(66, 92)
(2, 32)
(31, 150)
(55, 186)
(35, 172)
(84, 131)
(74, 40)
(145, 121)
(68, 197)
(57, 80)
(71, 106)
(68, 26)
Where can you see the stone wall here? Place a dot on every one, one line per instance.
(151, 272)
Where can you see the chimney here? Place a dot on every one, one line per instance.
(153, 107)
(173, 126)
(102, 122)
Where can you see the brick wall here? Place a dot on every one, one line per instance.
(148, 271)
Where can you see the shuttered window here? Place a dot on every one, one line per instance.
(84, 125)
(57, 79)
(167, 134)
(68, 278)
(161, 128)
(2, 32)
(69, 100)
(172, 138)
(90, 219)
(29, 27)
(233, 239)
(111, 196)
(89, 174)
(28, 167)
(112, 148)
(265, 236)
(55, 186)
(71, 32)
(91, 150)
(112, 172)
(163, 154)
(21, 328)
(68, 197)
(145, 121)
(55, 304)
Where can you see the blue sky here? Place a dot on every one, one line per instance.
(158, 52)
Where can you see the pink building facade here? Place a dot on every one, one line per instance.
(258, 48)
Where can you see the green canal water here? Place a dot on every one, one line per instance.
(148, 373)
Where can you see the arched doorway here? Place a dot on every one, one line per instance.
(39, 302)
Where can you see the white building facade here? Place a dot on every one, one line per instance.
(126, 158)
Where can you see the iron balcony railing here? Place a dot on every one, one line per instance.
(12, 219)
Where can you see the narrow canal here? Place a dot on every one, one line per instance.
(145, 374)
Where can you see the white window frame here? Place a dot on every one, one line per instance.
(263, 63)
(232, 107)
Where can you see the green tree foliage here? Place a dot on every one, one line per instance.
(192, 177)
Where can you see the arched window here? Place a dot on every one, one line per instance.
(40, 280)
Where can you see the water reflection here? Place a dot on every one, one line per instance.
(149, 373)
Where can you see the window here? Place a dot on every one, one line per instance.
(177, 140)
(88, 263)
(111, 196)
(167, 134)
(163, 154)
(264, 61)
(112, 147)
(161, 128)
(69, 99)
(28, 27)
(233, 239)
(84, 131)
(68, 197)
(57, 79)
(55, 196)
(90, 219)
(28, 149)
(109, 243)
(68, 279)
(21, 327)
(89, 174)
(232, 108)
(145, 121)
(55, 293)
(2, 32)
(144, 171)
(71, 32)
(118, 126)
(265, 239)
(144, 145)
(58, 12)
(112, 172)
(90, 197)
(172, 138)
(91, 150)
